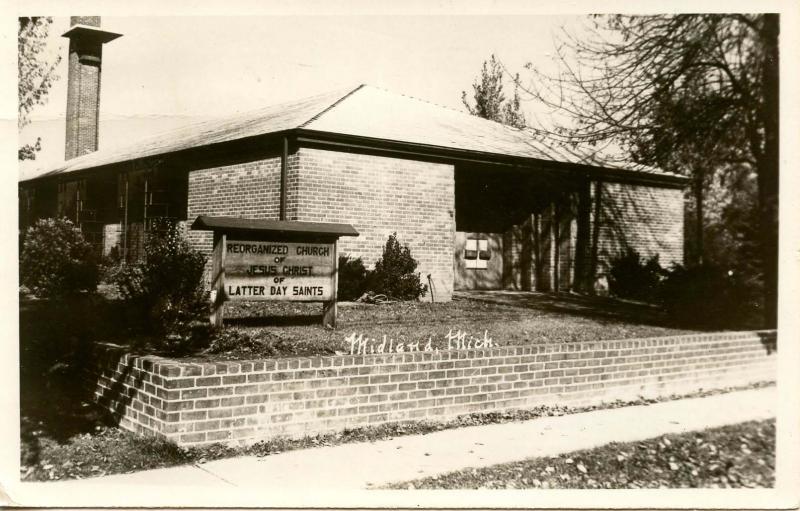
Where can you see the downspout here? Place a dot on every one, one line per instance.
(284, 163)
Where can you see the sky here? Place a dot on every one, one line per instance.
(168, 71)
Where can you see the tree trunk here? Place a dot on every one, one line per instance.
(768, 166)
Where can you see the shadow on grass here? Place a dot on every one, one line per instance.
(265, 321)
(609, 309)
(55, 406)
(575, 305)
(56, 398)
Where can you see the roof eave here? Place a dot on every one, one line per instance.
(339, 140)
(272, 137)
(356, 142)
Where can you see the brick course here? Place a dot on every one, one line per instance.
(246, 401)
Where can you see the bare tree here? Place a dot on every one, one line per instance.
(693, 93)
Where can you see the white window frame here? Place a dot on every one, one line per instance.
(477, 246)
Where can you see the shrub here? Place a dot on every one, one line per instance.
(708, 296)
(352, 278)
(56, 260)
(168, 285)
(632, 277)
(228, 339)
(394, 273)
(110, 263)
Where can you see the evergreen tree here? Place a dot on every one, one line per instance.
(490, 102)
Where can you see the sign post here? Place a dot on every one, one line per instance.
(262, 260)
(218, 279)
(329, 307)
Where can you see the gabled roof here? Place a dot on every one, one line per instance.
(363, 111)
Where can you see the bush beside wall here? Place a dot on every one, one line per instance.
(56, 260)
(246, 401)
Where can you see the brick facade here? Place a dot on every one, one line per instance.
(645, 218)
(377, 195)
(380, 195)
(247, 190)
(246, 401)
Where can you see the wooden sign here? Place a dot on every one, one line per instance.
(266, 270)
(255, 260)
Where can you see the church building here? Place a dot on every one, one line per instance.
(480, 204)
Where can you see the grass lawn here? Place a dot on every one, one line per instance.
(285, 329)
(736, 456)
(293, 329)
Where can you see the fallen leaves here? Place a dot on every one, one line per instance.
(713, 458)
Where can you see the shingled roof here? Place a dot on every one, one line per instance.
(364, 111)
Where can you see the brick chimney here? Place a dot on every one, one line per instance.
(83, 85)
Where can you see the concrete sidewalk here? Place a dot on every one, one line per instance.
(365, 465)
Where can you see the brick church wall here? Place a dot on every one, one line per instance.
(380, 195)
(644, 218)
(247, 190)
(377, 195)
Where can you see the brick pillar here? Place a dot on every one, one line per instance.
(582, 280)
(83, 85)
(543, 248)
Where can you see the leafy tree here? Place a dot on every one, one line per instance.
(36, 73)
(490, 102)
(695, 132)
(696, 93)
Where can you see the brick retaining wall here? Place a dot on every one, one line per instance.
(245, 401)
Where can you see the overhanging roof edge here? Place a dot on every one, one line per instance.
(57, 173)
(301, 134)
(309, 135)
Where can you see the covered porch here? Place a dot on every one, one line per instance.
(523, 229)
(115, 207)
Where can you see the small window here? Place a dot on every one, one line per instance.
(476, 254)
